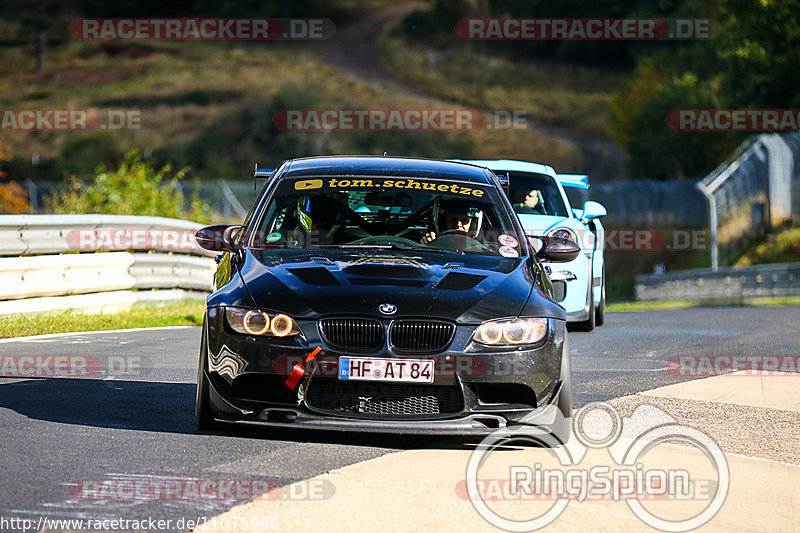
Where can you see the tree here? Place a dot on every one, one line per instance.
(759, 51)
(638, 123)
(13, 198)
(134, 188)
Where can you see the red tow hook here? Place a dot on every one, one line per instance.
(298, 371)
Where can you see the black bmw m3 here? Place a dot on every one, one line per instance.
(383, 294)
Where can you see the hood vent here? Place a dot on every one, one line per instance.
(393, 282)
(456, 281)
(314, 276)
(386, 271)
(453, 266)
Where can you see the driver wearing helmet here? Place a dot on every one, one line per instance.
(321, 217)
(451, 216)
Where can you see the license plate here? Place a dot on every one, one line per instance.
(374, 369)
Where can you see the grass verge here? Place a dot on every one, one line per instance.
(781, 247)
(568, 96)
(671, 305)
(149, 315)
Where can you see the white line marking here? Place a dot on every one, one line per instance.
(45, 338)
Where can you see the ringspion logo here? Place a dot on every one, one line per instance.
(607, 458)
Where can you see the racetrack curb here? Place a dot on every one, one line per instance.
(416, 489)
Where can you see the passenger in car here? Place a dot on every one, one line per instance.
(529, 203)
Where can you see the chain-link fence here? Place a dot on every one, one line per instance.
(755, 191)
(230, 200)
(759, 188)
(649, 204)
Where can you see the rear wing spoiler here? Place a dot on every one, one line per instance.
(261, 173)
(576, 181)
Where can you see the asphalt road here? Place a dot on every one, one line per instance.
(80, 447)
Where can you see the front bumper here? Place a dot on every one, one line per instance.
(495, 389)
(540, 420)
(577, 277)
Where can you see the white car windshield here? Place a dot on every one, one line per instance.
(535, 194)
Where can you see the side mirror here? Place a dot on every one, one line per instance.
(592, 210)
(555, 249)
(219, 238)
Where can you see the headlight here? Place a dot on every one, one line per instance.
(564, 233)
(257, 322)
(511, 332)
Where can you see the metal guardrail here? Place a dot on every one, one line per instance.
(723, 284)
(172, 271)
(94, 262)
(50, 234)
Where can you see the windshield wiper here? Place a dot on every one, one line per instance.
(394, 246)
(423, 248)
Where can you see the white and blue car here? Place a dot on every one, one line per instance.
(539, 198)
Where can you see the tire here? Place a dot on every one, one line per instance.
(600, 316)
(563, 431)
(589, 323)
(203, 416)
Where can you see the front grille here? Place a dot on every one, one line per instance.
(384, 398)
(352, 333)
(559, 290)
(420, 336)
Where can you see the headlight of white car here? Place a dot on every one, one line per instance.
(257, 322)
(564, 233)
(511, 332)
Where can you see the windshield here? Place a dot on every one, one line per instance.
(535, 194)
(417, 214)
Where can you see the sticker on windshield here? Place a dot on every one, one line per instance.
(272, 237)
(508, 240)
(363, 183)
(507, 251)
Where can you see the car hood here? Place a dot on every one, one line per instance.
(314, 283)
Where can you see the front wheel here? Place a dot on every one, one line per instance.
(589, 323)
(600, 316)
(203, 416)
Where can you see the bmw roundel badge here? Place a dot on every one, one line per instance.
(388, 309)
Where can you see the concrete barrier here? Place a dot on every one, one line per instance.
(724, 284)
(98, 262)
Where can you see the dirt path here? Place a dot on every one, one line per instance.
(352, 50)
